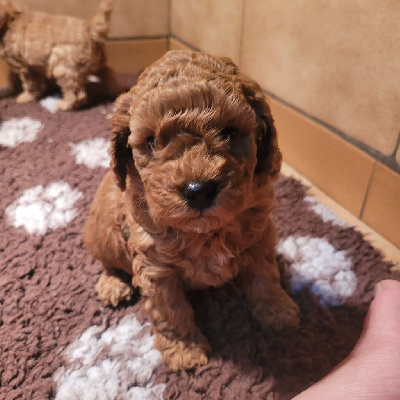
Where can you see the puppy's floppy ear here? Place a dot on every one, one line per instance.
(121, 153)
(269, 157)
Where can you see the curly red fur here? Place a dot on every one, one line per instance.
(43, 48)
(170, 129)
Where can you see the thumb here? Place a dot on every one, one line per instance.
(382, 322)
(372, 369)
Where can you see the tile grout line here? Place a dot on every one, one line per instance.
(181, 41)
(169, 23)
(375, 154)
(136, 38)
(241, 41)
(367, 191)
(396, 147)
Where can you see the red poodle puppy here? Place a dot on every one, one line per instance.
(187, 201)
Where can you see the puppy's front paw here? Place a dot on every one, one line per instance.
(112, 290)
(278, 316)
(64, 105)
(25, 97)
(72, 101)
(183, 354)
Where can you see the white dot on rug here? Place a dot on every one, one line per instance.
(93, 78)
(105, 364)
(326, 214)
(92, 152)
(50, 103)
(315, 264)
(19, 130)
(42, 208)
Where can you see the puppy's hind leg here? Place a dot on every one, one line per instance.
(112, 287)
(73, 90)
(69, 77)
(110, 85)
(33, 85)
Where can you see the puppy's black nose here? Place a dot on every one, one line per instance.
(200, 195)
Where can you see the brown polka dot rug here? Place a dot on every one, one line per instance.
(57, 341)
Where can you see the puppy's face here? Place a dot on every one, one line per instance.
(194, 149)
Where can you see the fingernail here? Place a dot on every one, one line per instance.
(377, 289)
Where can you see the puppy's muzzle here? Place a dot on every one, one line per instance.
(200, 195)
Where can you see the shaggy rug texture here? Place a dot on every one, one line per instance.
(58, 342)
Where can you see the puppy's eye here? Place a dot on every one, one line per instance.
(228, 134)
(151, 142)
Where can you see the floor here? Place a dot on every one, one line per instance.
(390, 252)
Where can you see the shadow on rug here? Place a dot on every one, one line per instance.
(56, 339)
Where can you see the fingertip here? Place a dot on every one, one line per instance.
(387, 299)
(386, 285)
(378, 289)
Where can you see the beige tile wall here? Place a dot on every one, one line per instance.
(132, 56)
(130, 18)
(337, 60)
(210, 25)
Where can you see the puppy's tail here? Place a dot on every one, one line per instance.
(100, 23)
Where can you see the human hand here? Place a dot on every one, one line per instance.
(372, 370)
